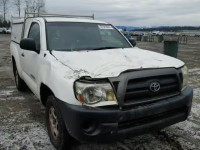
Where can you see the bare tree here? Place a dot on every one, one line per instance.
(27, 6)
(18, 4)
(4, 4)
(41, 6)
(35, 6)
(1, 19)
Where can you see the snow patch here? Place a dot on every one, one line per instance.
(12, 98)
(197, 93)
(6, 92)
(27, 136)
(195, 71)
(15, 98)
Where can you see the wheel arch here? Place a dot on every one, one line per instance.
(14, 64)
(45, 92)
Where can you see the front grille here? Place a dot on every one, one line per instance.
(133, 87)
(138, 90)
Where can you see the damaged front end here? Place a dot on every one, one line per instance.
(118, 107)
(130, 88)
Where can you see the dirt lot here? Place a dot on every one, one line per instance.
(22, 123)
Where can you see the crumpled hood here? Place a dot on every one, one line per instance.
(110, 63)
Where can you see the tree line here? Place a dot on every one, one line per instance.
(18, 7)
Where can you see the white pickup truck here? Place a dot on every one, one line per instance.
(95, 84)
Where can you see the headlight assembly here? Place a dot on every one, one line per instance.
(92, 93)
(185, 76)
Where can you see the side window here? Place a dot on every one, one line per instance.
(34, 33)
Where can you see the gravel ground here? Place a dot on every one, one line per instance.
(22, 122)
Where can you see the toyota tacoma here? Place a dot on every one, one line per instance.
(95, 84)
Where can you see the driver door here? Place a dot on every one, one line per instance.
(30, 58)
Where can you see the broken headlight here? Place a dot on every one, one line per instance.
(92, 93)
(185, 76)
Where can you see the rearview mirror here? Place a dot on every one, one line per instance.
(28, 44)
(133, 42)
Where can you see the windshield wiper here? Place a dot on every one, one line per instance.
(101, 48)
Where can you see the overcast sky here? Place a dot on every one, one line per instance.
(133, 12)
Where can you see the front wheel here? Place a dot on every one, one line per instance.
(57, 131)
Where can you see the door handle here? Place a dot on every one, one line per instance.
(22, 55)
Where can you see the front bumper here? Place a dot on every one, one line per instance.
(109, 124)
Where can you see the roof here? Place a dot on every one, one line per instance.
(63, 19)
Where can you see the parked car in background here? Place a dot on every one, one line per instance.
(5, 30)
(197, 35)
(8, 31)
(127, 36)
(2, 30)
(157, 33)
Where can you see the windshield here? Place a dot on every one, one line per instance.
(83, 36)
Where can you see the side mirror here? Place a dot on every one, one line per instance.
(28, 44)
(133, 42)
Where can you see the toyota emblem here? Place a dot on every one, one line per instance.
(154, 87)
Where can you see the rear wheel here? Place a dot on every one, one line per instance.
(20, 84)
(57, 131)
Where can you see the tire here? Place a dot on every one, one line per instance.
(57, 131)
(20, 84)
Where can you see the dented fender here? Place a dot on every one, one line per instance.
(59, 78)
